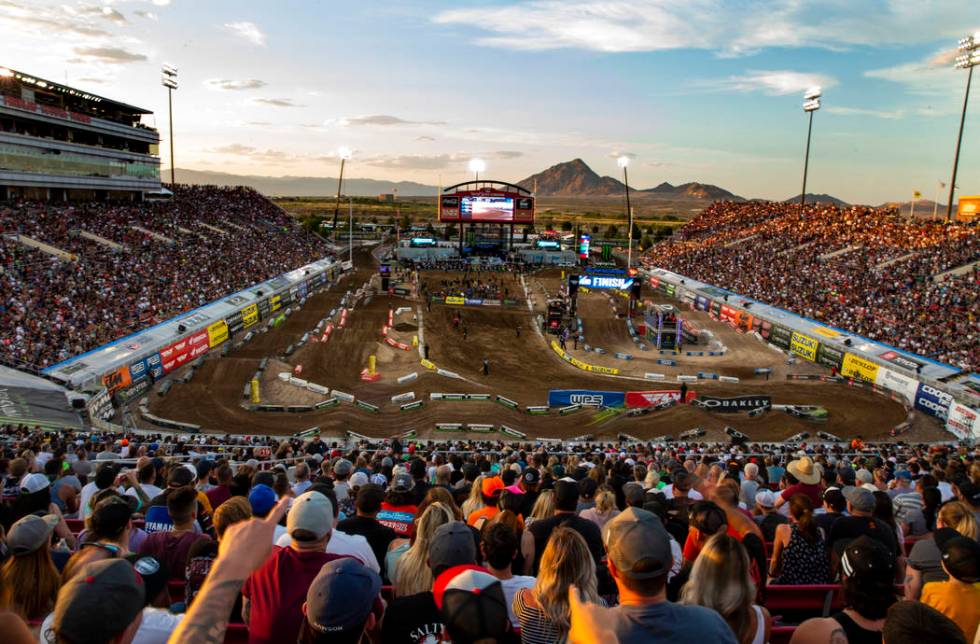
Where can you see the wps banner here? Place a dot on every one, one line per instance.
(636, 399)
(933, 401)
(899, 383)
(217, 333)
(963, 421)
(858, 368)
(731, 405)
(804, 346)
(563, 397)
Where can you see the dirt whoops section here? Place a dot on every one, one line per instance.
(522, 367)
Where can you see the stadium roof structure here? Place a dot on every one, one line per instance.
(51, 86)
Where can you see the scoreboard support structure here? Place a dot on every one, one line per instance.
(487, 202)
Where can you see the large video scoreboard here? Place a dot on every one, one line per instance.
(486, 205)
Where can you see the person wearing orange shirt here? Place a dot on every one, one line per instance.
(958, 598)
(490, 490)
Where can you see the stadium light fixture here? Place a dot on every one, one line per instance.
(811, 103)
(623, 162)
(477, 166)
(5, 73)
(968, 59)
(168, 78)
(345, 153)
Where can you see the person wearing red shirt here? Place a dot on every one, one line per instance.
(273, 595)
(398, 510)
(222, 491)
(807, 475)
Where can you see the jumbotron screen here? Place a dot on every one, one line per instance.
(494, 209)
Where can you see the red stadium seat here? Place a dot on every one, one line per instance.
(176, 588)
(75, 525)
(781, 634)
(236, 634)
(820, 599)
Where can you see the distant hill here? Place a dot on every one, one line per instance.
(576, 179)
(303, 186)
(812, 198)
(572, 179)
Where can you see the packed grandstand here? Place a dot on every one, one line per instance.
(469, 541)
(857, 268)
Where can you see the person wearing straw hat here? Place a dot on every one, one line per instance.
(804, 478)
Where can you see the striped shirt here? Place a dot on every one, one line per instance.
(906, 503)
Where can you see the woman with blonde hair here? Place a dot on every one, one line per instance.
(475, 500)
(544, 507)
(29, 580)
(721, 580)
(604, 510)
(543, 610)
(923, 565)
(411, 573)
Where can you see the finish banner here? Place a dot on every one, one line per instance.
(732, 405)
(250, 316)
(829, 356)
(588, 397)
(217, 333)
(780, 336)
(933, 401)
(635, 399)
(857, 367)
(804, 346)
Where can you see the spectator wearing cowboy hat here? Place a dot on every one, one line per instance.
(804, 476)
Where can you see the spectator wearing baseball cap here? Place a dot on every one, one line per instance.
(925, 558)
(868, 576)
(357, 480)
(339, 604)
(416, 618)
(342, 470)
(639, 558)
(102, 603)
(263, 498)
(959, 597)
(766, 516)
(29, 580)
(158, 517)
(859, 522)
(473, 606)
(490, 490)
(530, 482)
(273, 595)
(398, 510)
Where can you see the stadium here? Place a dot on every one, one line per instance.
(182, 363)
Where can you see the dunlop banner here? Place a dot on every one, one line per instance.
(804, 346)
(857, 367)
(250, 316)
(217, 333)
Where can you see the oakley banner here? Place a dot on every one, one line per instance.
(731, 405)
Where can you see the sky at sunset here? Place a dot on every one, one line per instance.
(705, 90)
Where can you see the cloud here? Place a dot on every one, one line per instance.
(277, 102)
(45, 21)
(247, 30)
(237, 149)
(729, 27)
(508, 154)
(773, 82)
(427, 139)
(413, 161)
(149, 15)
(109, 55)
(382, 120)
(933, 74)
(234, 85)
(616, 155)
(860, 111)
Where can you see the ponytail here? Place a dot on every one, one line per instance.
(801, 508)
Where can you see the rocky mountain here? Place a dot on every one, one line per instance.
(822, 198)
(572, 179)
(693, 190)
(303, 186)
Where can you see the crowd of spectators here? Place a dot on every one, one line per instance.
(161, 259)
(864, 270)
(132, 538)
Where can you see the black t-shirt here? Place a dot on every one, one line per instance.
(826, 521)
(527, 503)
(420, 490)
(412, 620)
(846, 529)
(377, 535)
(316, 447)
(543, 528)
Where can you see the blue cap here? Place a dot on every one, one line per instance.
(262, 498)
(903, 474)
(341, 597)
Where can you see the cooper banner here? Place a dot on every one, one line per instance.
(635, 399)
(897, 382)
(731, 405)
(858, 368)
(963, 421)
(933, 401)
(563, 397)
(828, 356)
(804, 346)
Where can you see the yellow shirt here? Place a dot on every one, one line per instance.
(957, 601)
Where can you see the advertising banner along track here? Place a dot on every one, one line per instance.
(731, 405)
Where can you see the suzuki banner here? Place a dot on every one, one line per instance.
(804, 346)
(933, 401)
(899, 383)
(963, 421)
(563, 397)
(858, 368)
(654, 398)
(731, 405)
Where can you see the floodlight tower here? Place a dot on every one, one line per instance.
(969, 58)
(477, 166)
(168, 79)
(344, 153)
(811, 103)
(624, 162)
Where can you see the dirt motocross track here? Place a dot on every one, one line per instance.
(523, 367)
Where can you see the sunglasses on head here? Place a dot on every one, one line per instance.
(111, 548)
